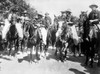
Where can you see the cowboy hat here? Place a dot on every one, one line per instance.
(40, 15)
(63, 12)
(93, 5)
(68, 11)
(46, 13)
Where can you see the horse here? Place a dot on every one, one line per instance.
(12, 37)
(98, 45)
(73, 38)
(83, 27)
(34, 40)
(51, 33)
(26, 26)
(91, 48)
(61, 40)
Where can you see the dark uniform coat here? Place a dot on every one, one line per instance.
(94, 15)
(47, 22)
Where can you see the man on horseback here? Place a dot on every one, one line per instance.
(71, 23)
(94, 18)
(47, 20)
(90, 31)
(94, 15)
(63, 15)
(69, 17)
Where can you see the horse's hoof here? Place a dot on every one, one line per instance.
(98, 64)
(30, 61)
(90, 65)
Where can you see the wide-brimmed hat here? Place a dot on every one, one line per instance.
(46, 13)
(40, 15)
(93, 5)
(63, 12)
(68, 11)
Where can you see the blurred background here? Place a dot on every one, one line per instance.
(55, 6)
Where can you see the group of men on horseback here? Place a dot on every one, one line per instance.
(65, 32)
(82, 33)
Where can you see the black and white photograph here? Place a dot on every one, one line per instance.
(49, 36)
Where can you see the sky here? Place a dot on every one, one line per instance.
(54, 7)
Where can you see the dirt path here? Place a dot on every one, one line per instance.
(49, 65)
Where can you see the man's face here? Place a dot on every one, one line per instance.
(93, 8)
(68, 14)
(46, 15)
(63, 14)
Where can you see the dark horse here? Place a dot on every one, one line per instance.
(91, 42)
(12, 38)
(34, 39)
(83, 28)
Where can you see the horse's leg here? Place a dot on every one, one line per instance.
(73, 48)
(78, 49)
(14, 47)
(91, 62)
(4, 46)
(41, 47)
(45, 49)
(31, 50)
(53, 44)
(10, 50)
(98, 64)
(8, 47)
(81, 48)
(25, 47)
(65, 48)
(61, 54)
(56, 51)
(37, 55)
(20, 45)
(92, 55)
(87, 59)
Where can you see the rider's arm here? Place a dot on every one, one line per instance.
(97, 19)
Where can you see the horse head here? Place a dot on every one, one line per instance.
(83, 17)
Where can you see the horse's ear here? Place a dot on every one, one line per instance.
(87, 11)
(55, 16)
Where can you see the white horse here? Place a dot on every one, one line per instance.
(59, 28)
(5, 28)
(19, 29)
